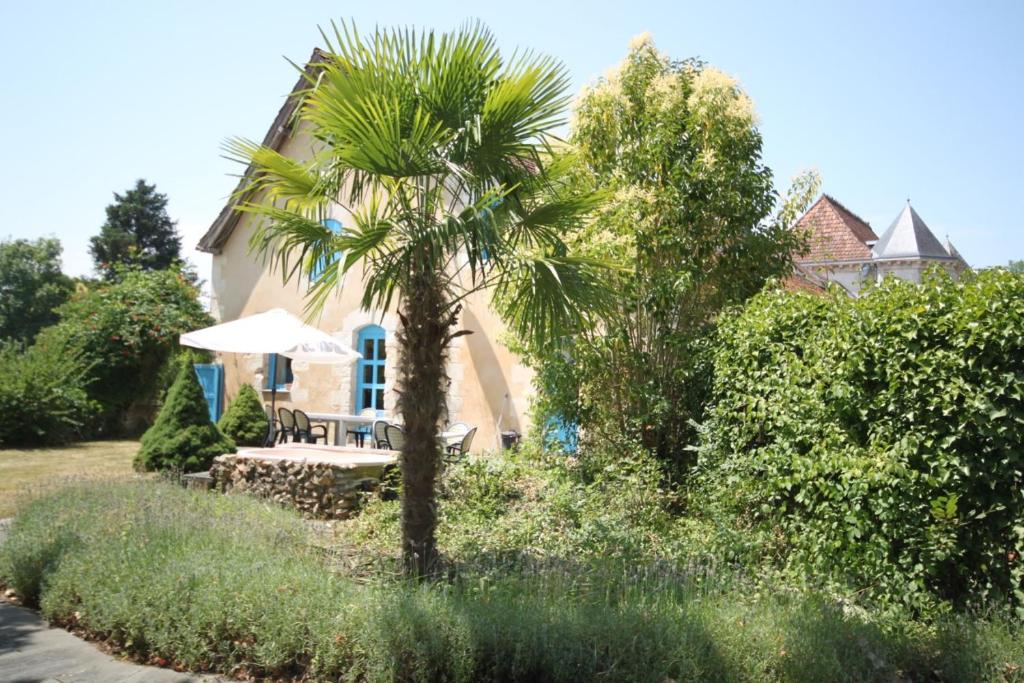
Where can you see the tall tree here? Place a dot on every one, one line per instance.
(31, 287)
(440, 149)
(138, 232)
(694, 213)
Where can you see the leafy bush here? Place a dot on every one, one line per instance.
(43, 396)
(529, 507)
(127, 331)
(880, 437)
(228, 583)
(183, 437)
(245, 420)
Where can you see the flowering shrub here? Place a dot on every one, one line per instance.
(126, 332)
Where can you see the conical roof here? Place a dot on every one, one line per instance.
(952, 250)
(908, 237)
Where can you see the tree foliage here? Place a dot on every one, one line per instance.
(879, 438)
(31, 287)
(138, 233)
(693, 213)
(126, 331)
(438, 152)
(245, 420)
(183, 437)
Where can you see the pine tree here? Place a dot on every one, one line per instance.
(183, 437)
(138, 232)
(245, 420)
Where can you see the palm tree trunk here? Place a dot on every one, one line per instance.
(422, 384)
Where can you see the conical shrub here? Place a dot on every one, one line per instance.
(245, 421)
(183, 437)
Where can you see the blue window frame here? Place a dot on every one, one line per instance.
(370, 369)
(279, 372)
(484, 255)
(322, 264)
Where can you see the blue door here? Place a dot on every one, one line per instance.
(211, 379)
(562, 434)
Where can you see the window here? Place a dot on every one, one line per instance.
(370, 369)
(278, 372)
(320, 267)
(484, 255)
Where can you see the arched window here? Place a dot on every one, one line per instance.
(370, 369)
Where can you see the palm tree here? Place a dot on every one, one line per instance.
(444, 155)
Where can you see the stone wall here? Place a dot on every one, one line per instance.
(316, 489)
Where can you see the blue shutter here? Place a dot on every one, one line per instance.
(274, 368)
(211, 379)
(370, 370)
(320, 267)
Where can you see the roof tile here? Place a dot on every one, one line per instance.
(835, 233)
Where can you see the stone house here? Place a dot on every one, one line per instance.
(489, 386)
(843, 248)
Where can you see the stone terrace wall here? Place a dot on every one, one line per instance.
(318, 490)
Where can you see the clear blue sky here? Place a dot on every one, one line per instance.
(888, 100)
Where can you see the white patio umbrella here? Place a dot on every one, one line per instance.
(274, 331)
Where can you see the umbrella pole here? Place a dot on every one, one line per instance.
(273, 414)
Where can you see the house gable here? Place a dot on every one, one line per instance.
(834, 233)
(280, 130)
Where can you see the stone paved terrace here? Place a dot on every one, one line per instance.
(337, 456)
(323, 482)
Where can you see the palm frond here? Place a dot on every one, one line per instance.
(446, 157)
(546, 297)
(284, 179)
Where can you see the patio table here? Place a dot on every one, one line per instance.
(341, 421)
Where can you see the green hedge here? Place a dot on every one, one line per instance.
(880, 438)
(43, 395)
(231, 584)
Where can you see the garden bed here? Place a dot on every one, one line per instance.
(231, 584)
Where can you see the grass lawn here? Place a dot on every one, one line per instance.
(33, 470)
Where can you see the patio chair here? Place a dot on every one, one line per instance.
(287, 427)
(454, 433)
(306, 430)
(395, 437)
(380, 438)
(362, 431)
(459, 450)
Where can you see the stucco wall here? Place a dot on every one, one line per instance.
(850, 274)
(488, 383)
